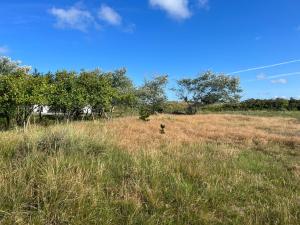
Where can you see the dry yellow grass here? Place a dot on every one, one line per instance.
(205, 169)
(134, 134)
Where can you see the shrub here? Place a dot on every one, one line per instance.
(175, 107)
(144, 113)
(294, 104)
(278, 104)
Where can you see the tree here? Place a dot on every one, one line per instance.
(98, 90)
(12, 88)
(68, 97)
(10, 96)
(294, 104)
(209, 88)
(124, 89)
(152, 96)
(20, 94)
(36, 90)
(8, 66)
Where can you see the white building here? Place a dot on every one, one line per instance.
(44, 110)
(87, 110)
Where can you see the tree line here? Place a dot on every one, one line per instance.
(71, 95)
(278, 104)
(66, 93)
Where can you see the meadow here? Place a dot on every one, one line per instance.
(206, 169)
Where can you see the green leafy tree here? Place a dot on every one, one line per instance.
(19, 91)
(208, 88)
(20, 94)
(35, 94)
(152, 96)
(98, 91)
(294, 104)
(68, 97)
(11, 90)
(124, 89)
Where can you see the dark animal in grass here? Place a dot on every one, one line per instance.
(162, 128)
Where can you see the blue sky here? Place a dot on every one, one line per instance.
(176, 37)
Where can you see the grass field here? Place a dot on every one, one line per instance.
(206, 169)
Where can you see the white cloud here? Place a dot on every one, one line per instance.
(177, 9)
(4, 50)
(74, 18)
(261, 76)
(109, 15)
(279, 81)
(204, 4)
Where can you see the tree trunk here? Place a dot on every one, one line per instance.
(24, 119)
(93, 116)
(28, 120)
(105, 115)
(40, 112)
(68, 117)
(7, 121)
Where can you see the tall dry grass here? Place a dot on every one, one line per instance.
(206, 169)
(134, 134)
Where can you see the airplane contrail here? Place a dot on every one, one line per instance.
(264, 67)
(283, 75)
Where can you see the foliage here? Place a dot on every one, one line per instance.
(152, 95)
(294, 104)
(8, 66)
(209, 88)
(69, 94)
(10, 96)
(20, 94)
(125, 91)
(144, 113)
(277, 104)
(175, 107)
(94, 90)
(260, 104)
